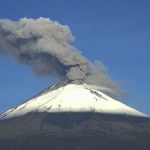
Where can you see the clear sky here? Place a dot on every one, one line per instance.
(114, 32)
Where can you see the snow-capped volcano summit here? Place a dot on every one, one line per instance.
(72, 98)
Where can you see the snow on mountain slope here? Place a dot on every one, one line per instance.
(74, 98)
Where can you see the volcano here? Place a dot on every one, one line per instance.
(76, 117)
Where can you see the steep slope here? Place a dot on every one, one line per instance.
(72, 98)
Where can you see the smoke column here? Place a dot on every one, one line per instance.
(46, 46)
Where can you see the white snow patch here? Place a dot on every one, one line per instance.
(74, 98)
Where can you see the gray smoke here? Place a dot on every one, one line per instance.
(45, 45)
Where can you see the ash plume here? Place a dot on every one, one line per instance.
(46, 46)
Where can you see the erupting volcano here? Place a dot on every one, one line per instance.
(77, 114)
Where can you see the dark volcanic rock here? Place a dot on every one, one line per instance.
(75, 131)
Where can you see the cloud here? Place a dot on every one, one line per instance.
(46, 46)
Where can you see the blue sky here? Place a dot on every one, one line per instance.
(114, 32)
